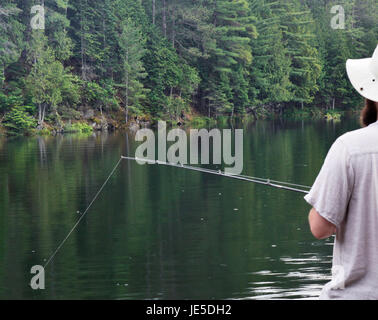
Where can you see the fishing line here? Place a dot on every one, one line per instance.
(272, 183)
(83, 215)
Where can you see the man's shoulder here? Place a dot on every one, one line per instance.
(361, 141)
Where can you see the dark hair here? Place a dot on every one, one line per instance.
(369, 113)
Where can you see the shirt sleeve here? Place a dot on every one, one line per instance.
(333, 187)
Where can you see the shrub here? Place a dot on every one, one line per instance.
(44, 132)
(175, 107)
(101, 96)
(80, 127)
(19, 120)
(333, 115)
(10, 100)
(199, 121)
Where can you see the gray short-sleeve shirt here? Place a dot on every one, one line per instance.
(346, 194)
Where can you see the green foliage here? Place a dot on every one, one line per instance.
(100, 95)
(336, 46)
(298, 33)
(202, 121)
(270, 72)
(7, 101)
(225, 85)
(132, 44)
(79, 127)
(221, 57)
(333, 115)
(166, 75)
(49, 83)
(313, 113)
(19, 120)
(57, 24)
(175, 107)
(11, 32)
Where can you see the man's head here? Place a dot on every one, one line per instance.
(369, 113)
(363, 75)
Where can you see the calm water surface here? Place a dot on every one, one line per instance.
(159, 232)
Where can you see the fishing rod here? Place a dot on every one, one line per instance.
(268, 182)
(272, 183)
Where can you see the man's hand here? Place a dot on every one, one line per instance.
(320, 227)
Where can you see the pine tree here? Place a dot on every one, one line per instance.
(299, 38)
(270, 70)
(218, 56)
(48, 82)
(10, 37)
(57, 26)
(86, 32)
(234, 28)
(132, 46)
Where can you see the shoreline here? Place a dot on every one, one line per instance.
(91, 121)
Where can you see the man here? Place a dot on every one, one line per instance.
(344, 196)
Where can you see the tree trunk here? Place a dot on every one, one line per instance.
(104, 42)
(83, 76)
(82, 49)
(127, 88)
(2, 75)
(254, 113)
(153, 11)
(333, 104)
(173, 27)
(65, 15)
(165, 18)
(41, 115)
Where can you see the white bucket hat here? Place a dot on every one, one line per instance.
(363, 74)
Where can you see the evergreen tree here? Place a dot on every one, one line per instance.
(57, 25)
(160, 57)
(86, 26)
(48, 82)
(10, 37)
(299, 38)
(132, 46)
(233, 22)
(270, 70)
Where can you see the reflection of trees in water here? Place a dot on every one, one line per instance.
(2, 142)
(42, 151)
(104, 136)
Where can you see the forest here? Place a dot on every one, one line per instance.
(114, 63)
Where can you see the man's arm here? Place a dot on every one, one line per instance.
(320, 227)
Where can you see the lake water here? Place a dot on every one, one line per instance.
(159, 232)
